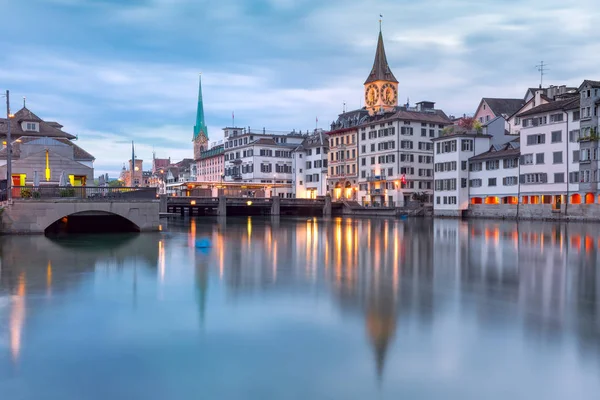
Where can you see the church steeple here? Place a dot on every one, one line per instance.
(200, 138)
(381, 86)
(381, 70)
(200, 127)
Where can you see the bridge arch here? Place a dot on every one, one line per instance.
(91, 222)
(38, 216)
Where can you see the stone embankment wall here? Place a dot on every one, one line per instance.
(573, 212)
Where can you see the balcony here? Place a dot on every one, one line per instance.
(376, 178)
(377, 192)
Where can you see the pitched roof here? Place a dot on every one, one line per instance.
(79, 154)
(381, 70)
(504, 106)
(594, 84)
(510, 149)
(46, 129)
(568, 104)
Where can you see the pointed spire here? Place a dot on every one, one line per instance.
(381, 70)
(200, 127)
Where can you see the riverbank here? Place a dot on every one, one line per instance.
(541, 212)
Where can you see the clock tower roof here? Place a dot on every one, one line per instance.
(381, 70)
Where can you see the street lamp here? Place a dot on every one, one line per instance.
(8, 150)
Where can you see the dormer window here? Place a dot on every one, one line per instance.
(31, 126)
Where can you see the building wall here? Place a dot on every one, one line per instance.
(343, 171)
(302, 187)
(548, 167)
(500, 189)
(211, 169)
(457, 199)
(484, 113)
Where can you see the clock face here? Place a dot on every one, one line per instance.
(371, 95)
(389, 95)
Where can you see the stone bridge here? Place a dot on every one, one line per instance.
(35, 216)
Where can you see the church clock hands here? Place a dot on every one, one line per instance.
(371, 95)
(389, 94)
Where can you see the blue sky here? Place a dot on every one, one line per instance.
(112, 71)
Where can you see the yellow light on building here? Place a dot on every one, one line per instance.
(249, 202)
(47, 166)
(193, 202)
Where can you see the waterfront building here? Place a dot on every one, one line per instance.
(589, 165)
(178, 173)
(549, 161)
(42, 148)
(494, 175)
(310, 166)
(211, 165)
(136, 178)
(382, 154)
(261, 156)
(451, 169)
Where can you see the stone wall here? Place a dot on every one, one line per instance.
(574, 212)
(33, 217)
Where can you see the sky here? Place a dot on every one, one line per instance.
(113, 71)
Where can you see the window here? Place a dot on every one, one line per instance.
(31, 126)
(475, 183)
(556, 117)
(363, 161)
(466, 145)
(574, 136)
(536, 139)
(575, 155)
(432, 133)
(510, 181)
(463, 165)
(390, 172)
(559, 178)
(406, 144)
(576, 115)
(511, 163)
(476, 166)
(363, 149)
(539, 158)
(406, 130)
(557, 157)
(423, 132)
(527, 159)
(437, 199)
(491, 165)
(363, 174)
(372, 146)
(534, 178)
(492, 182)
(557, 136)
(372, 160)
(574, 177)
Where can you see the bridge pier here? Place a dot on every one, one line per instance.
(163, 203)
(222, 210)
(275, 205)
(327, 206)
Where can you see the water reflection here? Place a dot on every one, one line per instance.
(417, 295)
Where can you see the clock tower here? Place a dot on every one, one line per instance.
(200, 138)
(381, 86)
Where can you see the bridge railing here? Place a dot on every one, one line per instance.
(87, 193)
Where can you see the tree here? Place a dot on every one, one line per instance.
(116, 183)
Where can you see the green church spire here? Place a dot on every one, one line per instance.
(200, 127)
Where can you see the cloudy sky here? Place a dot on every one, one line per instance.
(112, 71)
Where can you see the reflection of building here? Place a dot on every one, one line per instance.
(310, 166)
(43, 147)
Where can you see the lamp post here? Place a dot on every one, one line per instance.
(8, 150)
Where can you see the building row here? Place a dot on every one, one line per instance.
(546, 153)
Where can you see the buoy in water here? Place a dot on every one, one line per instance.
(203, 243)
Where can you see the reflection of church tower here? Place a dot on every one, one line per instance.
(381, 86)
(381, 326)
(200, 131)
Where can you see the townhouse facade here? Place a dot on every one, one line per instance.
(451, 170)
(211, 165)
(589, 139)
(549, 159)
(262, 157)
(311, 166)
(342, 179)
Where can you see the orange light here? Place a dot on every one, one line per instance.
(193, 202)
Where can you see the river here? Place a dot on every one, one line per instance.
(304, 309)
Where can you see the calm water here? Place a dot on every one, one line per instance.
(304, 309)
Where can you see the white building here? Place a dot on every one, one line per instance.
(261, 157)
(396, 154)
(494, 175)
(310, 166)
(451, 170)
(550, 153)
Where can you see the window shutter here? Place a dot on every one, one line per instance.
(522, 178)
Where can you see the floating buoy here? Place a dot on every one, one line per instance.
(203, 243)
(404, 217)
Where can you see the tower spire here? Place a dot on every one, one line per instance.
(381, 70)
(200, 127)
